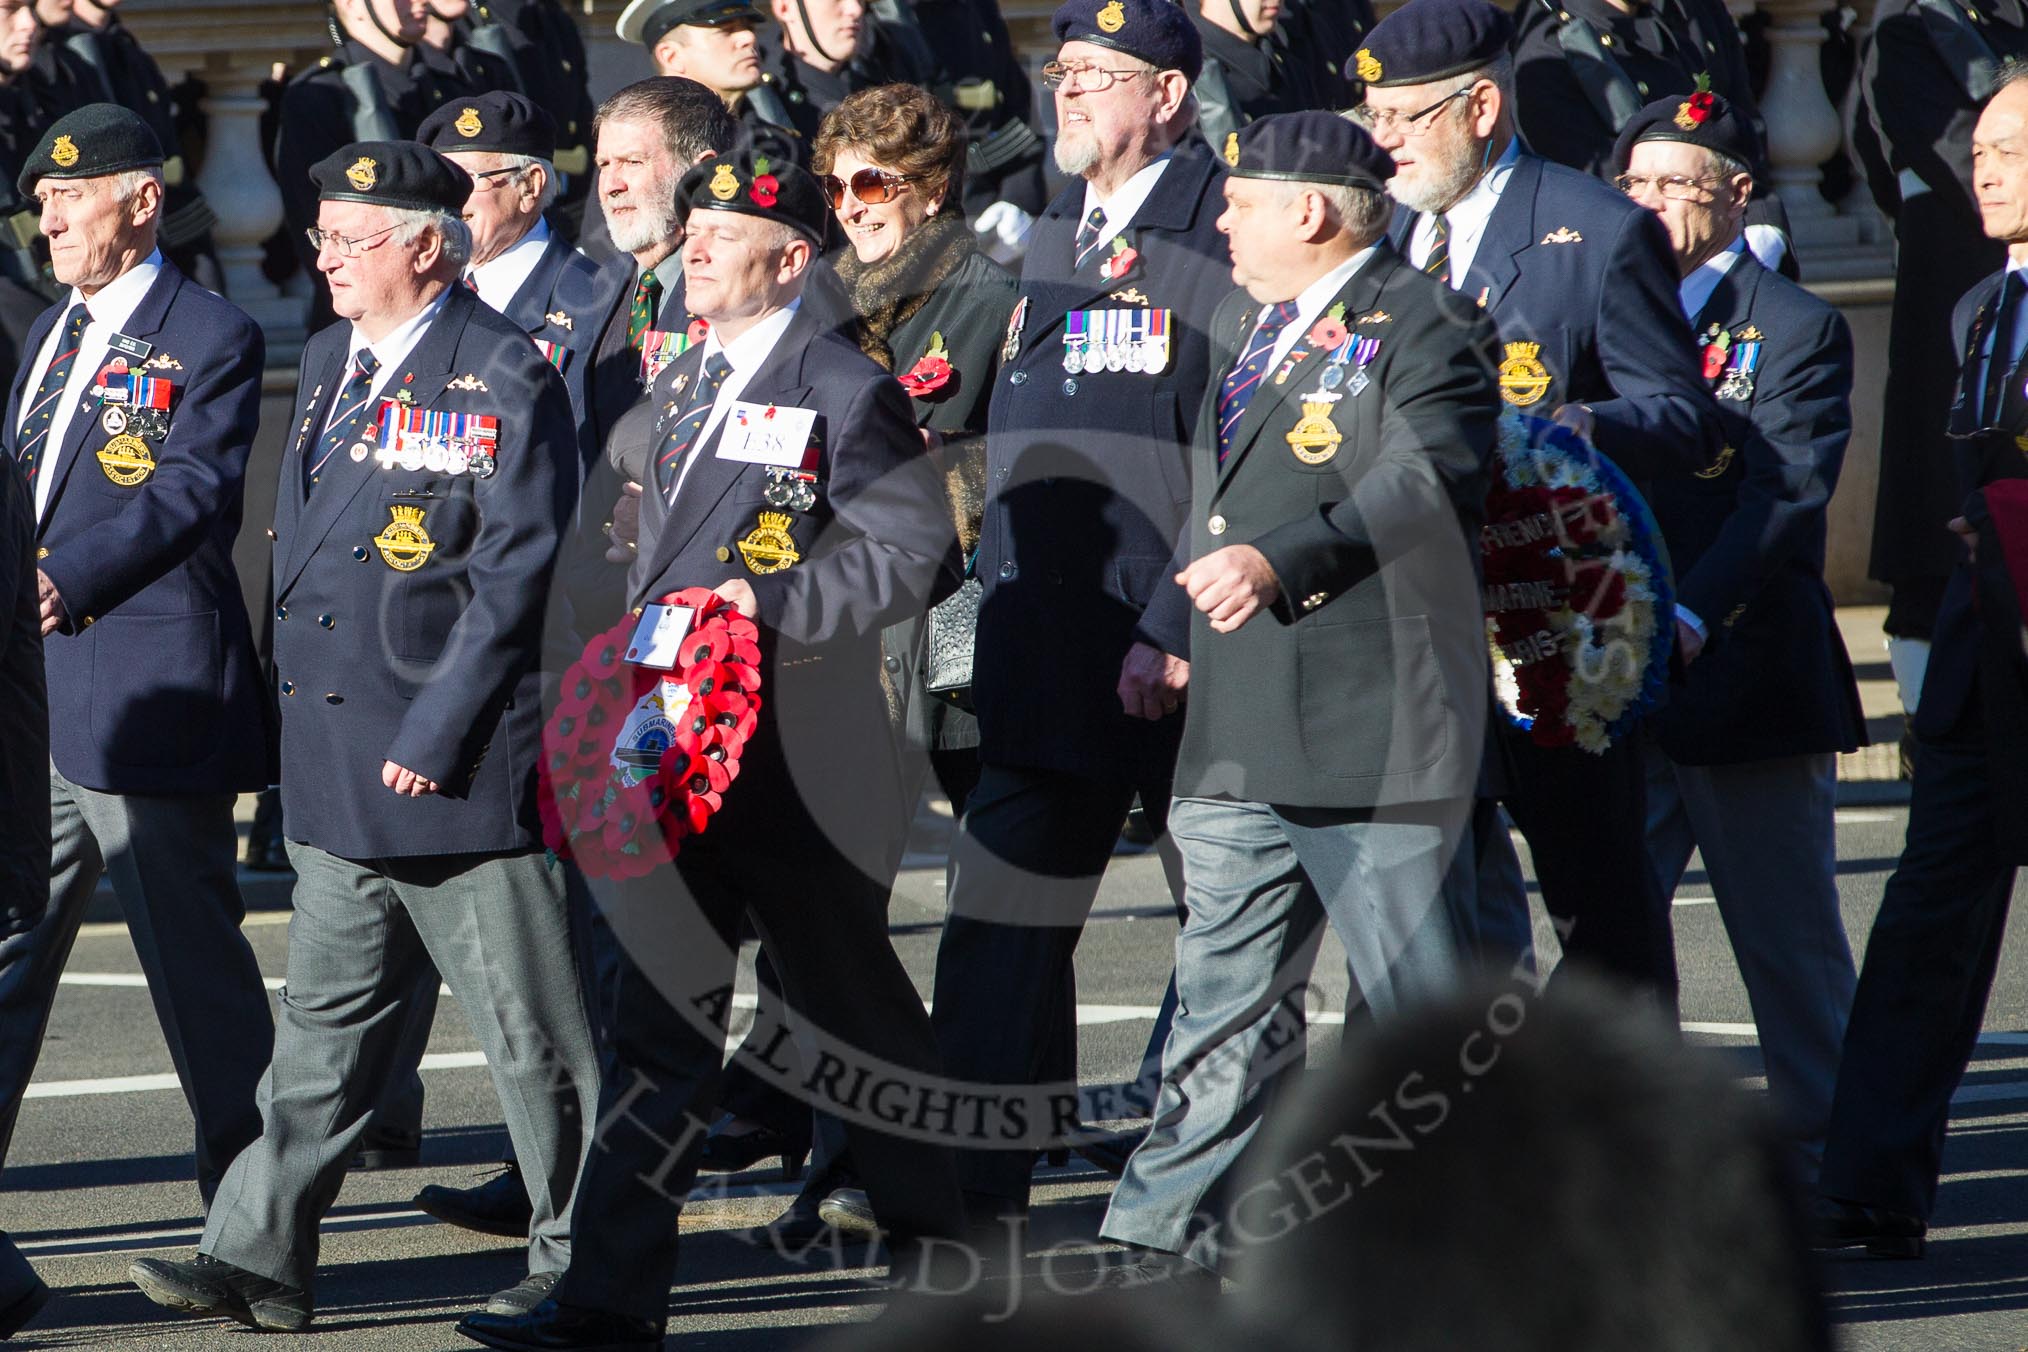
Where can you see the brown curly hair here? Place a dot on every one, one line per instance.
(904, 129)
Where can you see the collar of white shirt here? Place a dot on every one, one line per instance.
(1695, 290)
(1311, 303)
(500, 279)
(392, 349)
(1467, 218)
(1122, 206)
(746, 353)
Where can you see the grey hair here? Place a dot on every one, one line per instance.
(1361, 212)
(2012, 72)
(128, 181)
(456, 235)
(1725, 166)
(1500, 70)
(552, 187)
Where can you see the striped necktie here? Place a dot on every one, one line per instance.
(641, 316)
(1246, 373)
(35, 425)
(1438, 264)
(689, 425)
(1088, 236)
(348, 411)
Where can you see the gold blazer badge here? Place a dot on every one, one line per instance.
(127, 460)
(404, 544)
(1523, 379)
(768, 547)
(1315, 438)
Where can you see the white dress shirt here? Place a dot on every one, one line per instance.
(1122, 205)
(1467, 218)
(110, 310)
(1694, 292)
(500, 279)
(391, 351)
(746, 354)
(1311, 304)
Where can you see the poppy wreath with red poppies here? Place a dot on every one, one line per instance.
(635, 759)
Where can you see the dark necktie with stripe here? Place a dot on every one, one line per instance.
(1246, 373)
(348, 413)
(641, 316)
(1088, 236)
(1438, 264)
(689, 426)
(35, 425)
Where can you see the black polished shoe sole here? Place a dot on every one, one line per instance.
(24, 1308)
(166, 1290)
(1873, 1246)
(486, 1338)
(848, 1217)
(433, 1201)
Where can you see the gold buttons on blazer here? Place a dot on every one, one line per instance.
(42, 552)
(1216, 525)
(1314, 599)
(724, 554)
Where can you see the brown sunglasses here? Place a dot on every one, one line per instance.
(871, 186)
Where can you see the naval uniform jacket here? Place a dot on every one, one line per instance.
(154, 687)
(434, 667)
(874, 548)
(1746, 538)
(566, 301)
(1365, 684)
(1582, 285)
(1088, 485)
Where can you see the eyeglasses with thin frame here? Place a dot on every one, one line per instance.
(1675, 187)
(1085, 79)
(1415, 124)
(484, 177)
(343, 247)
(874, 187)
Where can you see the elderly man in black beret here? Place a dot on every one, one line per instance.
(1100, 389)
(786, 475)
(1742, 761)
(131, 420)
(1337, 656)
(425, 485)
(1582, 286)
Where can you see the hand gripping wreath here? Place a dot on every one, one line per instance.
(1579, 610)
(634, 759)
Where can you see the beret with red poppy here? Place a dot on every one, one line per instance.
(755, 184)
(1699, 119)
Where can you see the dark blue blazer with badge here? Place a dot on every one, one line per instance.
(1746, 536)
(154, 687)
(1088, 486)
(565, 302)
(429, 664)
(875, 547)
(1582, 286)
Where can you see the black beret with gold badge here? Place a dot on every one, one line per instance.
(91, 142)
(399, 174)
(500, 121)
(1700, 118)
(755, 184)
(1428, 40)
(1156, 31)
(1308, 147)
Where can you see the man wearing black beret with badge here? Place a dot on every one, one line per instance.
(425, 485)
(1742, 761)
(131, 419)
(1102, 378)
(1337, 655)
(519, 266)
(1582, 286)
(788, 476)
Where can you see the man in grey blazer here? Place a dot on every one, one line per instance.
(1337, 650)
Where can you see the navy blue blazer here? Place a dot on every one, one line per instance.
(1582, 285)
(154, 687)
(566, 302)
(432, 667)
(873, 549)
(1088, 487)
(1746, 539)
(1983, 449)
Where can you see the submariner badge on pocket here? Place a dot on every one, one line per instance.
(127, 460)
(403, 543)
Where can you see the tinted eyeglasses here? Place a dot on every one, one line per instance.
(874, 187)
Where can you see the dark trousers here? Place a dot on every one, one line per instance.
(1585, 820)
(1923, 986)
(825, 924)
(1026, 867)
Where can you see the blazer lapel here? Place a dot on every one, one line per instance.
(1965, 410)
(1510, 232)
(145, 322)
(530, 305)
(423, 376)
(1358, 294)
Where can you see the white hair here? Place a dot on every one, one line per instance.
(552, 186)
(127, 182)
(1360, 212)
(456, 235)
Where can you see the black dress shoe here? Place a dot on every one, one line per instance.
(788, 1234)
(524, 1295)
(732, 1153)
(849, 1210)
(499, 1206)
(206, 1285)
(1153, 1267)
(1110, 1150)
(265, 852)
(382, 1149)
(551, 1327)
(22, 1293)
(1881, 1233)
